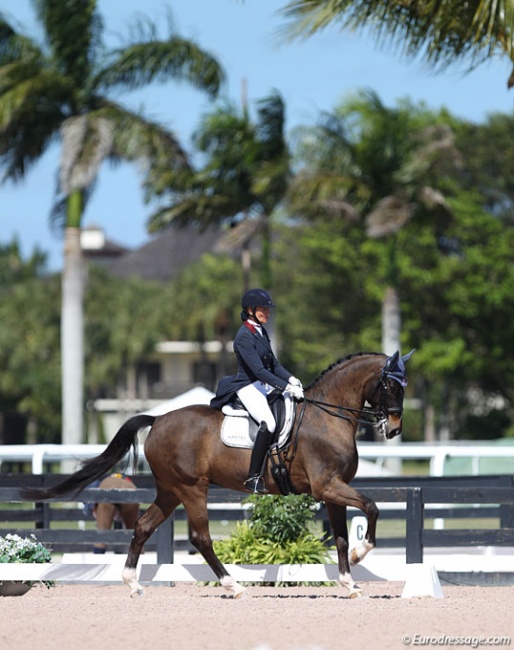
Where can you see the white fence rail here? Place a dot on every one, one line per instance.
(436, 454)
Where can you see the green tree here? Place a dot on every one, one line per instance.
(243, 179)
(29, 355)
(329, 288)
(14, 269)
(457, 292)
(442, 32)
(385, 165)
(60, 90)
(124, 323)
(489, 163)
(202, 304)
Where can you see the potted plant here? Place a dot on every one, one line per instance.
(14, 548)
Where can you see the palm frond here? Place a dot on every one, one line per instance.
(322, 195)
(197, 209)
(27, 124)
(240, 234)
(388, 216)
(72, 30)
(440, 31)
(139, 138)
(271, 126)
(154, 60)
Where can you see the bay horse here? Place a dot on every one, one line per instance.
(186, 454)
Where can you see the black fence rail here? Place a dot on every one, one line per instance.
(413, 500)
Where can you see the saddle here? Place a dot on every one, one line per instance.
(239, 429)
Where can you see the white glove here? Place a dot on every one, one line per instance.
(294, 381)
(296, 391)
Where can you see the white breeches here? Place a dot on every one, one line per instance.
(254, 399)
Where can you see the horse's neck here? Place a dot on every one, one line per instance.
(343, 386)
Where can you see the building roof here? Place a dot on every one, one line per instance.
(164, 256)
(95, 245)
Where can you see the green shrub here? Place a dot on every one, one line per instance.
(277, 532)
(281, 519)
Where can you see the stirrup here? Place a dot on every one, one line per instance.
(255, 485)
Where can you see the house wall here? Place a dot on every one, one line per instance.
(183, 365)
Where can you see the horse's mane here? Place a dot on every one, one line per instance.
(339, 362)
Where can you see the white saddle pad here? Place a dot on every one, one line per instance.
(239, 429)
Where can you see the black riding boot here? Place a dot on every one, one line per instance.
(255, 483)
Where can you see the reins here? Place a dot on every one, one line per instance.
(327, 408)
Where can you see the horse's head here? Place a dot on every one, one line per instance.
(387, 400)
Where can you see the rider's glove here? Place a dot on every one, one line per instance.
(296, 391)
(294, 381)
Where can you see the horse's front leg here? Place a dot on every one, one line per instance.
(337, 500)
(158, 512)
(337, 518)
(199, 536)
(369, 508)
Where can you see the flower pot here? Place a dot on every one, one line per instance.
(14, 587)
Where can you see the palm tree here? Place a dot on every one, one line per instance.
(441, 31)
(242, 181)
(57, 91)
(367, 160)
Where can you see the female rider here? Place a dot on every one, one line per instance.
(258, 374)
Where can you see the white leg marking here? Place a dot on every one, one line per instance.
(346, 580)
(232, 586)
(129, 578)
(359, 552)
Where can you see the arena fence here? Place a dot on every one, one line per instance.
(413, 500)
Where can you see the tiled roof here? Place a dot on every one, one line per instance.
(164, 256)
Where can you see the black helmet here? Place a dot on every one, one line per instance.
(256, 298)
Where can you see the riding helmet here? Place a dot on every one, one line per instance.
(256, 298)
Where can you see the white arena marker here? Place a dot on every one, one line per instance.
(422, 580)
(357, 532)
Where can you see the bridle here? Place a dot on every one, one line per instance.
(384, 410)
(377, 417)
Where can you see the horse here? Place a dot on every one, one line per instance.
(107, 513)
(185, 453)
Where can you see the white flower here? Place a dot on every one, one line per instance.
(14, 548)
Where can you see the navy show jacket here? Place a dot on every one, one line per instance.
(255, 362)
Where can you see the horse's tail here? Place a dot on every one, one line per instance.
(98, 467)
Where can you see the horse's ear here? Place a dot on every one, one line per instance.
(392, 361)
(406, 357)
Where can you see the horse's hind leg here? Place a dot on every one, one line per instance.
(158, 512)
(200, 538)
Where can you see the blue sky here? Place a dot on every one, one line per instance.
(312, 75)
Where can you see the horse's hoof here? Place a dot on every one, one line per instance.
(137, 592)
(356, 593)
(243, 595)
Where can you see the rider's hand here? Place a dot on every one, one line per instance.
(295, 382)
(296, 391)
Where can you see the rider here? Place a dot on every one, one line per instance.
(258, 374)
